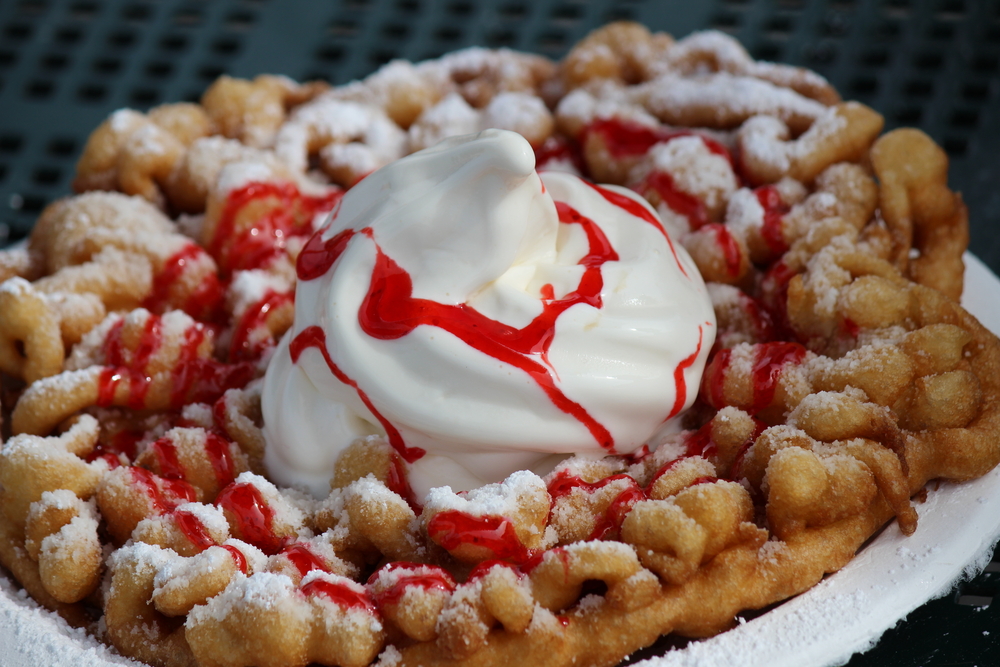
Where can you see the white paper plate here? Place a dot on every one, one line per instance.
(844, 614)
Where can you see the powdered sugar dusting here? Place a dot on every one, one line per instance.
(501, 499)
(730, 96)
(31, 636)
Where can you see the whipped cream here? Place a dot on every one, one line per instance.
(484, 319)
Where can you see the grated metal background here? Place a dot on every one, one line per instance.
(934, 64)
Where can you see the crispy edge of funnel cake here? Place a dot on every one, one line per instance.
(845, 375)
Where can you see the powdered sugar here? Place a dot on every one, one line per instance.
(451, 116)
(328, 121)
(729, 98)
(501, 499)
(31, 636)
(696, 170)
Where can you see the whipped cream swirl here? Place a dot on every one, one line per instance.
(484, 319)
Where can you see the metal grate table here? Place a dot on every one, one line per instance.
(934, 64)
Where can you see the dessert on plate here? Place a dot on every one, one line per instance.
(482, 357)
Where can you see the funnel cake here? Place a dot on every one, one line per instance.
(138, 322)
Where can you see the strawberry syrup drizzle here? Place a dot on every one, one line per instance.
(698, 443)
(399, 483)
(429, 577)
(197, 534)
(736, 469)
(166, 457)
(318, 255)
(701, 443)
(680, 383)
(729, 247)
(638, 210)
(254, 518)
(254, 319)
(203, 380)
(453, 529)
(774, 210)
(203, 303)
(255, 246)
(340, 594)
(216, 450)
(164, 494)
(770, 360)
(193, 379)
(609, 523)
(678, 201)
(774, 298)
(194, 530)
(221, 457)
(303, 558)
(760, 319)
(557, 149)
(626, 139)
(117, 357)
(121, 444)
(315, 337)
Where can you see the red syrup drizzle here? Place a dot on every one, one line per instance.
(315, 337)
(194, 379)
(429, 577)
(736, 469)
(850, 327)
(399, 483)
(216, 450)
(760, 318)
(166, 456)
(123, 443)
(680, 384)
(389, 312)
(557, 149)
(238, 557)
(678, 201)
(729, 247)
(638, 210)
(769, 362)
(609, 524)
(254, 518)
(164, 494)
(626, 138)
(700, 443)
(774, 298)
(203, 303)
(194, 530)
(116, 356)
(196, 533)
(341, 594)
(774, 211)
(303, 558)
(453, 529)
(257, 245)
(254, 319)
(221, 457)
